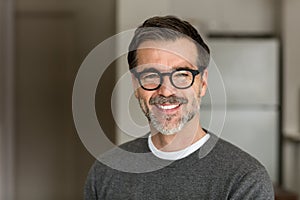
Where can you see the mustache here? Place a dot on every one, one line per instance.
(171, 99)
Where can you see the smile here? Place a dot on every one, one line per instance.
(168, 107)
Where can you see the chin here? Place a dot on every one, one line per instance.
(168, 131)
(170, 125)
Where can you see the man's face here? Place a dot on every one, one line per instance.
(169, 109)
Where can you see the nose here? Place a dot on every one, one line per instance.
(166, 89)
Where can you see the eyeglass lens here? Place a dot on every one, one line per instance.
(180, 79)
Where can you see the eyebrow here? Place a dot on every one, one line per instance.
(153, 69)
(182, 68)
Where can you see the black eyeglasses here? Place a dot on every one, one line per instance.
(152, 79)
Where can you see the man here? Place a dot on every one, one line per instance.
(180, 160)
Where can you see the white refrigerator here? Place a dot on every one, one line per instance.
(249, 69)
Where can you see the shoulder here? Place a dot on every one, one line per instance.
(236, 160)
(111, 159)
(232, 156)
(245, 174)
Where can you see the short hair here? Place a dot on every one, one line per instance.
(167, 28)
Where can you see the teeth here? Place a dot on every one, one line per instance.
(167, 107)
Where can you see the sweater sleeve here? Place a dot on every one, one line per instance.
(254, 185)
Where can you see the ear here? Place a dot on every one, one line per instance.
(204, 82)
(135, 85)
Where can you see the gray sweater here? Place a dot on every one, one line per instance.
(218, 170)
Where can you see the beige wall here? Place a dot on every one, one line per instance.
(6, 100)
(291, 42)
(291, 92)
(52, 39)
(255, 16)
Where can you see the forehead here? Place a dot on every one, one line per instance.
(167, 53)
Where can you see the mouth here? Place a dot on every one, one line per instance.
(168, 107)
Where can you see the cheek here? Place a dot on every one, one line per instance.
(197, 89)
(140, 93)
(200, 88)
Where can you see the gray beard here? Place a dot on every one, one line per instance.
(161, 125)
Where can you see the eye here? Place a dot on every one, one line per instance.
(181, 74)
(149, 75)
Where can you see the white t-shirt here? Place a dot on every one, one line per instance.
(176, 155)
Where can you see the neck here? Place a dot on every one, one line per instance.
(191, 133)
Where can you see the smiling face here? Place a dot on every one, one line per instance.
(167, 108)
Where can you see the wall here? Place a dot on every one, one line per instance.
(6, 100)
(52, 39)
(291, 66)
(291, 93)
(256, 16)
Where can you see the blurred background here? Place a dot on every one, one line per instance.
(43, 43)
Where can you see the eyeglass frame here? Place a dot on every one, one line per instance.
(161, 75)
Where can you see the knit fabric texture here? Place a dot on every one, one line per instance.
(218, 170)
